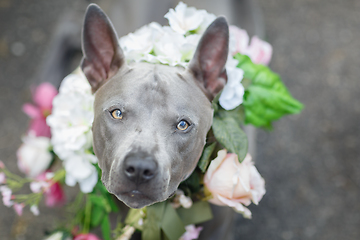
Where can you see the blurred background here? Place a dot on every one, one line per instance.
(310, 161)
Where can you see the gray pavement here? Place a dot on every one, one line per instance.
(310, 161)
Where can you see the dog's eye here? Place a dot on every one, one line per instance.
(182, 125)
(117, 114)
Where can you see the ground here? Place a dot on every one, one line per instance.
(310, 161)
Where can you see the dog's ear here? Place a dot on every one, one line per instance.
(103, 56)
(210, 57)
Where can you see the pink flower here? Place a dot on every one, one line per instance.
(2, 178)
(239, 40)
(6, 194)
(191, 233)
(54, 194)
(2, 165)
(234, 184)
(259, 51)
(88, 236)
(42, 97)
(18, 207)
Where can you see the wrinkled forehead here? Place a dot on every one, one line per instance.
(151, 86)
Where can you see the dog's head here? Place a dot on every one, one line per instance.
(151, 120)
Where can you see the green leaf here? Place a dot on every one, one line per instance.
(192, 184)
(105, 228)
(97, 216)
(205, 157)
(229, 134)
(113, 206)
(152, 223)
(109, 197)
(100, 201)
(215, 101)
(198, 213)
(267, 98)
(171, 223)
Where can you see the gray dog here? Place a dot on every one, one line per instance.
(151, 120)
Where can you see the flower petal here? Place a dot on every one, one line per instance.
(35, 210)
(44, 95)
(18, 207)
(2, 178)
(31, 110)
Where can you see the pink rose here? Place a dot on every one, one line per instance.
(43, 96)
(234, 184)
(259, 51)
(88, 236)
(239, 40)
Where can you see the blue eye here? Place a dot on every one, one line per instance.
(117, 114)
(182, 125)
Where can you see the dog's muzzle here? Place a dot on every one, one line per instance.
(140, 167)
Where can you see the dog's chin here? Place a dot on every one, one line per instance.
(136, 199)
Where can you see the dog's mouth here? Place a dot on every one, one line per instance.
(172, 194)
(135, 198)
(134, 194)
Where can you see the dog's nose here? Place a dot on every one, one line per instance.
(140, 168)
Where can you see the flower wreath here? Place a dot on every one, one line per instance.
(253, 95)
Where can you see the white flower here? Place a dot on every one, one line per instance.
(6, 194)
(181, 200)
(138, 46)
(168, 49)
(33, 155)
(35, 210)
(233, 92)
(70, 123)
(57, 236)
(185, 201)
(184, 19)
(72, 116)
(79, 169)
(188, 48)
(207, 20)
(38, 186)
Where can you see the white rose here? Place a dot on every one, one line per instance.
(33, 155)
(234, 184)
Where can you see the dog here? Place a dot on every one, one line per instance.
(150, 120)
